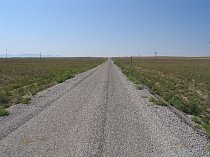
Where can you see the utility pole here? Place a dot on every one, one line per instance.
(156, 59)
(131, 59)
(139, 58)
(40, 55)
(6, 54)
(209, 42)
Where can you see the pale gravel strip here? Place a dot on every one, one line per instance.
(104, 115)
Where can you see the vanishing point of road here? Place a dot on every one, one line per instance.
(103, 115)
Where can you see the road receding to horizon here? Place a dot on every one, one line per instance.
(101, 115)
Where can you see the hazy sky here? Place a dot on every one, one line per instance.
(105, 27)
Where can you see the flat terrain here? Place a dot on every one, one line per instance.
(99, 113)
(184, 82)
(21, 78)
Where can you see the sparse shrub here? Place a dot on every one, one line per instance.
(3, 111)
(176, 101)
(206, 118)
(4, 98)
(168, 95)
(191, 108)
(144, 96)
(26, 100)
(197, 120)
(207, 128)
(157, 101)
(152, 99)
(21, 91)
(156, 90)
(70, 76)
(139, 87)
(199, 126)
(61, 81)
(162, 102)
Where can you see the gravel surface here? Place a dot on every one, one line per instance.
(97, 113)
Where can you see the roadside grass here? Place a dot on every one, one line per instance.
(21, 78)
(144, 96)
(3, 111)
(207, 128)
(182, 82)
(197, 120)
(158, 101)
(139, 87)
(26, 100)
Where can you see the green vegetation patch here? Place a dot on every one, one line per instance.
(157, 101)
(197, 120)
(4, 97)
(207, 128)
(139, 87)
(3, 111)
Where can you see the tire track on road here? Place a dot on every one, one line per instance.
(104, 115)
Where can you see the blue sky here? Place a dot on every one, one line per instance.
(105, 27)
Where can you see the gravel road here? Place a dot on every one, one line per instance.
(97, 113)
